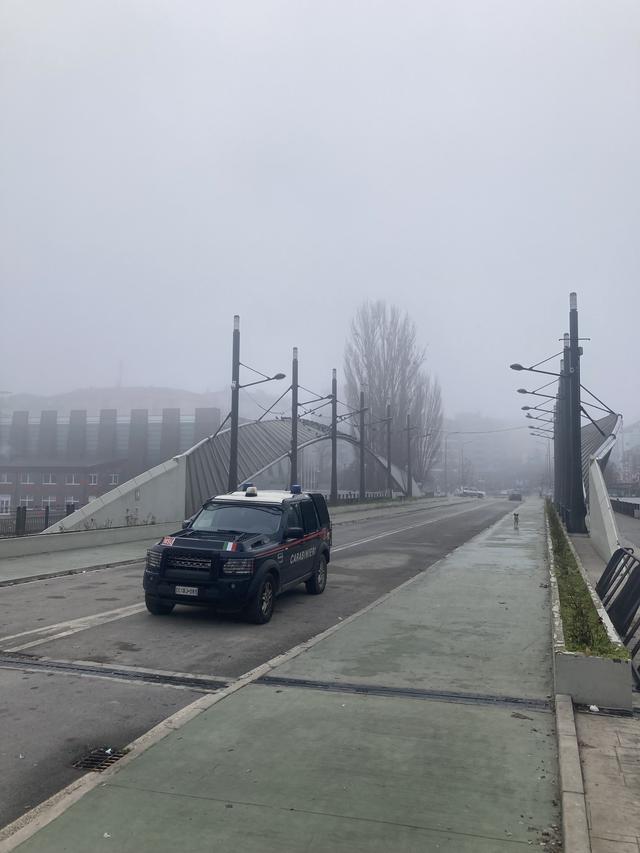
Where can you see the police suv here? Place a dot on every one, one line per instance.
(241, 551)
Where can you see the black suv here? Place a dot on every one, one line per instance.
(241, 551)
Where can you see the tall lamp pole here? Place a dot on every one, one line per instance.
(578, 508)
(409, 477)
(333, 496)
(389, 477)
(235, 399)
(294, 417)
(362, 469)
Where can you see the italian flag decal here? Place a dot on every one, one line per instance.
(230, 546)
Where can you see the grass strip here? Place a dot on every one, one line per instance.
(583, 629)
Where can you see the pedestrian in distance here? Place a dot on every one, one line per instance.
(516, 520)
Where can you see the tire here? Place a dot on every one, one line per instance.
(317, 583)
(157, 606)
(260, 608)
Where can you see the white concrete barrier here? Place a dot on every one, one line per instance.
(601, 520)
(45, 543)
(155, 497)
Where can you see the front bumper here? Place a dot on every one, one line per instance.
(223, 593)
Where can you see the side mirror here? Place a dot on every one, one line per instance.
(186, 523)
(293, 533)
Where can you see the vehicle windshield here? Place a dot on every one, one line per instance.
(238, 518)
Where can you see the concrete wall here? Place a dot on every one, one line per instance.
(155, 497)
(45, 543)
(601, 520)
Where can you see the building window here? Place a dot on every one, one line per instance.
(93, 479)
(48, 479)
(5, 504)
(26, 478)
(114, 479)
(27, 500)
(72, 499)
(4, 477)
(49, 502)
(72, 480)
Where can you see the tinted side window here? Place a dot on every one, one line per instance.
(309, 517)
(294, 518)
(321, 508)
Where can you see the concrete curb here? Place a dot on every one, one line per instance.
(575, 824)
(20, 830)
(66, 572)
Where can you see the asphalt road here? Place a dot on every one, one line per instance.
(111, 649)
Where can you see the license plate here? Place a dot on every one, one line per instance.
(186, 590)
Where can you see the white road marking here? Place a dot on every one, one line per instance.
(74, 626)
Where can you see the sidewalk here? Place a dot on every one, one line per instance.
(421, 724)
(49, 564)
(610, 758)
(629, 529)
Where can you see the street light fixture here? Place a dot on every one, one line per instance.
(535, 418)
(536, 394)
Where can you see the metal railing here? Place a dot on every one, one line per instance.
(619, 591)
(626, 507)
(28, 521)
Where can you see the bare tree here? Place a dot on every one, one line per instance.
(383, 356)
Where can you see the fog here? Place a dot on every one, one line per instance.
(165, 165)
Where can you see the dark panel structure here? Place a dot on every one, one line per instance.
(48, 434)
(170, 435)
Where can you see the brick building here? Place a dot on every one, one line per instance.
(55, 461)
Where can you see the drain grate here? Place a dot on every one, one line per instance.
(99, 759)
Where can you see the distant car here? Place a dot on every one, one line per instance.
(471, 493)
(240, 551)
(515, 496)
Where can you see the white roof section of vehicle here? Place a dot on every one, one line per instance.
(263, 497)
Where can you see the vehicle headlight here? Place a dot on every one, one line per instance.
(238, 567)
(153, 559)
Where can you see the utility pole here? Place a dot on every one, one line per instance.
(446, 481)
(362, 470)
(294, 417)
(333, 496)
(235, 399)
(389, 477)
(577, 505)
(409, 477)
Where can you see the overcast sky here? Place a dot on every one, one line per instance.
(165, 165)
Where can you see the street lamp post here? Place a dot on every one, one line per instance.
(578, 509)
(389, 420)
(294, 417)
(333, 495)
(362, 471)
(235, 400)
(235, 405)
(567, 433)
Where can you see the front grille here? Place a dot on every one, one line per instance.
(190, 564)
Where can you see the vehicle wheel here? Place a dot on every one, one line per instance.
(260, 608)
(316, 584)
(157, 606)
